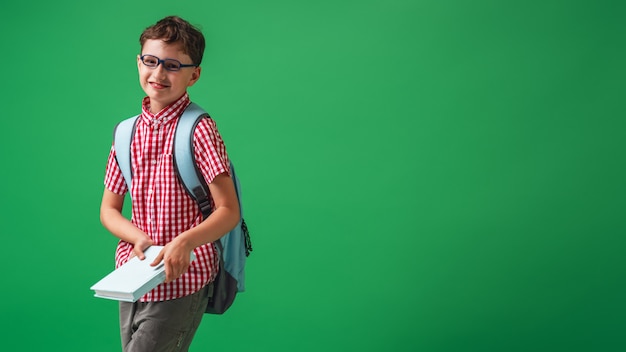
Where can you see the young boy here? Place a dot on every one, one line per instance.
(166, 318)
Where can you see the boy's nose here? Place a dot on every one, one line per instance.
(159, 71)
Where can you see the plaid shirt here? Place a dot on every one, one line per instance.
(160, 205)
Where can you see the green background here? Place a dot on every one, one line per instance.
(418, 175)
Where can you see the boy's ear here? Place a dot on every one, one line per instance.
(138, 61)
(195, 76)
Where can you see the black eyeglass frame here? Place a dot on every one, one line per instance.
(178, 64)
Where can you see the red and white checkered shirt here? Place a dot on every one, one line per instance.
(160, 205)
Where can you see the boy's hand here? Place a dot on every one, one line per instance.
(176, 258)
(140, 246)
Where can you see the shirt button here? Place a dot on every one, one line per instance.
(154, 161)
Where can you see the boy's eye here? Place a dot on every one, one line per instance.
(150, 61)
(171, 65)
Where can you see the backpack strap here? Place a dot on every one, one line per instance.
(185, 161)
(122, 137)
(191, 177)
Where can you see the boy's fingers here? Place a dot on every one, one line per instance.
(139, 253)
(168, 272)
(158, 258)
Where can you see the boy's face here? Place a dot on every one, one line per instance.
(162, 86)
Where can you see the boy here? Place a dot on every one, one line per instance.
(166, 318)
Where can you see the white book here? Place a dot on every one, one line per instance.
(134, 278)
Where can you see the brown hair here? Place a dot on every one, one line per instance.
(173, 29)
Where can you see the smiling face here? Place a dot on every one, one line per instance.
(162, 86)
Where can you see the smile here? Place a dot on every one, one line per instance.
(156, 85)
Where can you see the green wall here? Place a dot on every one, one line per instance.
(418, 175)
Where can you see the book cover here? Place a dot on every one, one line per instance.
(133, 279)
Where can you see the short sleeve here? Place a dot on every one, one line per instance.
(210, 151)
(113, 179)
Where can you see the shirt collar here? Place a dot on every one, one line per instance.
(166, 115)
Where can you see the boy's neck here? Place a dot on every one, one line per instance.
(155, 107)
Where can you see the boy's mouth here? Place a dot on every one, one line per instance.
(156, 85)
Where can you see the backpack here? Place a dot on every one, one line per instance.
(234, 247)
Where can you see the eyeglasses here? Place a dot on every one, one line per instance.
(168, 64)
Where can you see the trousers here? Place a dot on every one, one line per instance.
(167, 326)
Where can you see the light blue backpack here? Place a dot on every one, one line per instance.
(234, 247)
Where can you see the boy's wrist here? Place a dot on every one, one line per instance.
(184, 242)
(143, 241)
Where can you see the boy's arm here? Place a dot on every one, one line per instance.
(224, 218)
(113, 220)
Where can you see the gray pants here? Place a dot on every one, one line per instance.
(166, 326)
